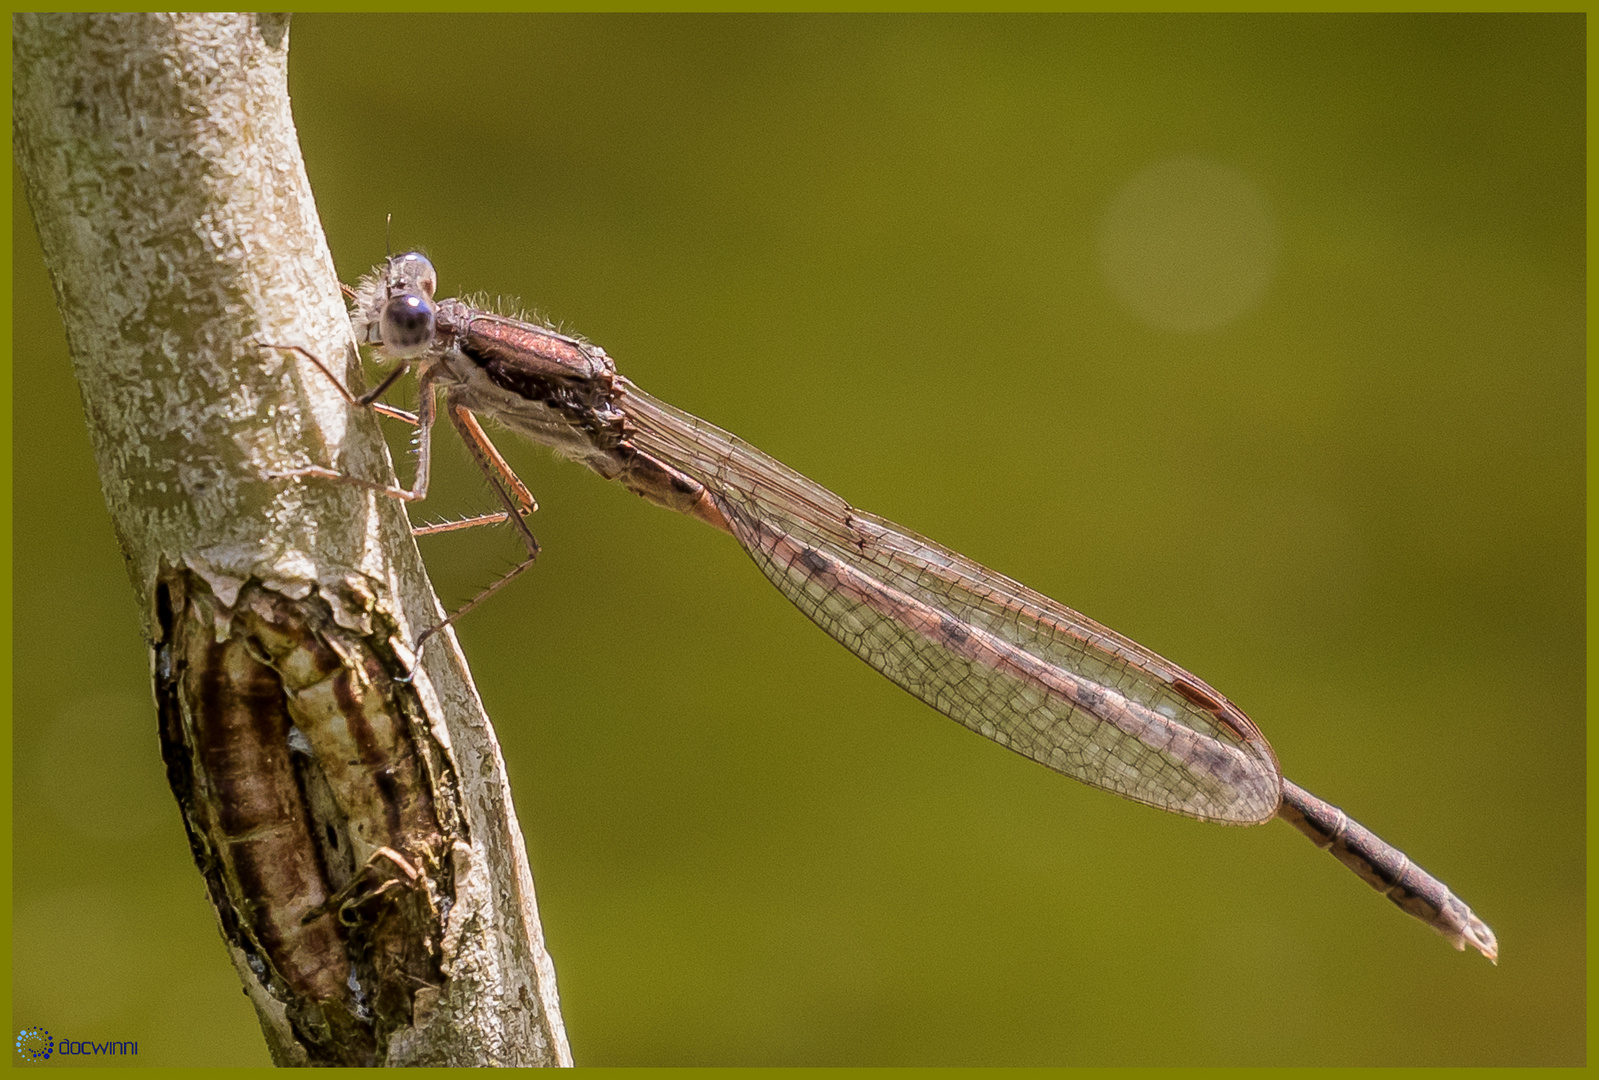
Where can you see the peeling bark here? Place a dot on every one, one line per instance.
(321, 810)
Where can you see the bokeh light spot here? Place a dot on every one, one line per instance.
(1189, 244)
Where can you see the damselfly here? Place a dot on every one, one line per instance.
(999, 658)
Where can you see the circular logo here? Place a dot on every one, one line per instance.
(34, 1044)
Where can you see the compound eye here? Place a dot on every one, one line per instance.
(407, 325)
(413, 272)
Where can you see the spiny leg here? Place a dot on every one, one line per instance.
(518, 500)
(510, 490)
(422, 419)
(418, 490)
(526, 504)
(477, 439)
(368, 400)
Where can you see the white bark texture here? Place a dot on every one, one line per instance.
(179, 229)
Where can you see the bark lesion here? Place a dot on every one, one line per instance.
(320, 810)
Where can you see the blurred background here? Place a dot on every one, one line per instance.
(1259, 339)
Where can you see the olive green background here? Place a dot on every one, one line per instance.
(870, 245)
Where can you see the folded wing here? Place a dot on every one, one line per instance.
(997, 657)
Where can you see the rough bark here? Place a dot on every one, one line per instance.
(180, 233)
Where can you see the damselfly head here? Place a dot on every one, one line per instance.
(394, 307)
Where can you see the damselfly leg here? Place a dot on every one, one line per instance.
(507, 486)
